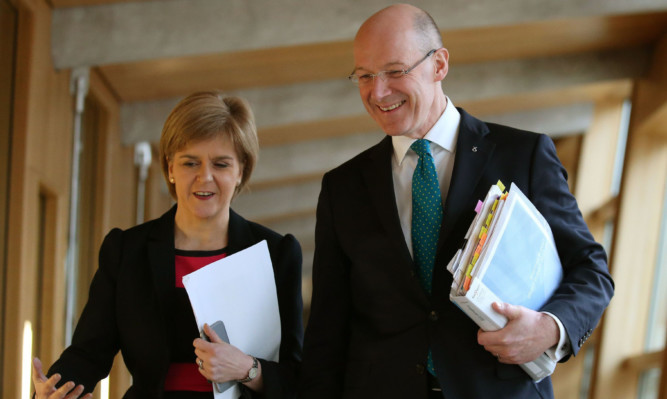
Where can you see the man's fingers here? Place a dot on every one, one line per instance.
(507, 310)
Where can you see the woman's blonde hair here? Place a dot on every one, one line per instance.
(208, 115)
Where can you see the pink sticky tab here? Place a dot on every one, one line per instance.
(479, 206)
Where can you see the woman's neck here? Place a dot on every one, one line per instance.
(200, 235)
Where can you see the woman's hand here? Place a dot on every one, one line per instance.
(221, 362)
(46, 388)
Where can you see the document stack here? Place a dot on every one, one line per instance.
(508, 255)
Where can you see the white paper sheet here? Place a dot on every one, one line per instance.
(240, 290)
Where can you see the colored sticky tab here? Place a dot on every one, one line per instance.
(495, 205)
(482, 231)
(479, 206)
(504, 197)
(500, 185)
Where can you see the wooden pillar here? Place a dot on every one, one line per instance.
(635, 248)
(38, 198)
(593, 189)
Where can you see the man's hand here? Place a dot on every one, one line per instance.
(525, 337)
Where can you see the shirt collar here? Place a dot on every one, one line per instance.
(443, 133)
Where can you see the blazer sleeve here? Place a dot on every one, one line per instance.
(95, 341)
(280, 378)
(587, 286)
(326, 339)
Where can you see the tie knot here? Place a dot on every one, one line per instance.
(421, 147)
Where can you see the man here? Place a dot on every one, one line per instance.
(381, 324)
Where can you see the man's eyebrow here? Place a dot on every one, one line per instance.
(384, 68)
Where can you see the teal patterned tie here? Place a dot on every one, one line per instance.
(426, 218)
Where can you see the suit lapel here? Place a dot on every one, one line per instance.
(378, 178)
(380, 183)
(473, 151)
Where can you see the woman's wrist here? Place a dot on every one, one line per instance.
(251, 371)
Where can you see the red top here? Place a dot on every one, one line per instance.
(185, 376)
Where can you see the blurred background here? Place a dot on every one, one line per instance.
(85, 86)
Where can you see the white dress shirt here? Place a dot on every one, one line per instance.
(442, 136)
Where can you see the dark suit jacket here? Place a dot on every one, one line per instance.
(129, 306)
(372, 324)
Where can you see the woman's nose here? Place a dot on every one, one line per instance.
(205, 173)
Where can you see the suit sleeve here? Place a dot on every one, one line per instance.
(587, 286)
(280, 378)
(325, 345)
(95, 341)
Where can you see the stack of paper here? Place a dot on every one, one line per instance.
(508, 255)
(240, 290)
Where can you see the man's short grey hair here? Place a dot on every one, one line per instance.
(427, 32)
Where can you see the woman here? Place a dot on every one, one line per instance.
(137, 302)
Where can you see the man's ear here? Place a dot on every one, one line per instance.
(441, 60)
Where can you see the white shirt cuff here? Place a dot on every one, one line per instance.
(561, 349)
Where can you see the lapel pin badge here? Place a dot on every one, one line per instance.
(474, 149)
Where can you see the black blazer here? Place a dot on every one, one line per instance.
(372, 324)
(129, 306)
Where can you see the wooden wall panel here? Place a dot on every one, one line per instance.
(115, 192)
(40, 167)
(8, 17)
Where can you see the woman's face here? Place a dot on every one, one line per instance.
(205, 175)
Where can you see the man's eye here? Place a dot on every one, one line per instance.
(221, 165)
(395, 74)
(365, 78)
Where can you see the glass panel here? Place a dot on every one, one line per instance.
(649, 382)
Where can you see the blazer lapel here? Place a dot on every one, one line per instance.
(473, 152)
(161, 257)
(240, 236)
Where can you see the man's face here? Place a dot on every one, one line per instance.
(401, 106)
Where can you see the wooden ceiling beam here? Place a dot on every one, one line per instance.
(172, 77)
(338, 127)
(85, 3)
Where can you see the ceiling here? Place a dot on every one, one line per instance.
(536, 64)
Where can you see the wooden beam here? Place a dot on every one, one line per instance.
(616, 90)
(606, 212)
(286, 181)
(269, 220)
(554, 37)
(173, 77)
(656, 124)
(644, 361)
(312, 130)
(85, 3)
